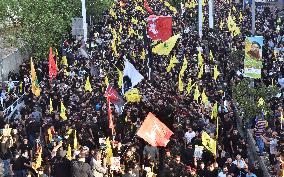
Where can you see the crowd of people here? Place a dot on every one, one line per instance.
(38, 143)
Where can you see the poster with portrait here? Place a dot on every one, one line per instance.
(115, 163)
(253, 57)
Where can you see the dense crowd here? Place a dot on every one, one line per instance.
(40, 132)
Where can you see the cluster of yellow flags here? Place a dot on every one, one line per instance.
(133, 95)
(166, 47)
(209, 143)
(232, 26)
(35, 87)
(173, 9)
(190, 5)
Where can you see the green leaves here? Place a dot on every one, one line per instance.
(247, 98)
(42, 23)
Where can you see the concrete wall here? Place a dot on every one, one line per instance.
(11, 62)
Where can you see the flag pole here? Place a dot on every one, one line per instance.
(200, 18)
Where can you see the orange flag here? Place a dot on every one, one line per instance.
(154, 131)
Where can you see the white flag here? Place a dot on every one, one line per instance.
(132, 73)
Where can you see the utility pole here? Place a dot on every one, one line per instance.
(211, 16)
(84, 19)
(253, 17)
(200, 15)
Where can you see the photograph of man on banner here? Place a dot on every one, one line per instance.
(253, 57)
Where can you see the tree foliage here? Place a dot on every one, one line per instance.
(246, 96)
(42, 23)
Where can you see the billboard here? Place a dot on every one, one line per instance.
(253, 57)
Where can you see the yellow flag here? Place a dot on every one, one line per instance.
(64, 61)
(112, 13)
(234, 9)
(143, 54)
(120, 78)
(211, 56)
(188, 88)
(204, 98)
(201, 71)
(108, 151)
(200, 58)
(88, 86)
(180, 83)
(133, 95)
(281, 116)
(184, 66)
(196, 93)
(172, 64)
(241, 17)
(38, 161)
(166, 47)
(214, 112)
(221, 24)
(69, 153)
(216, 73)
(21, 87)
(49, 134)
(63, 111)
(134, 21)
(106, 80)
(209, 143)
(56, 52)
(50, 105)
(139, 8)
(68, 133)
(260, 102)
(120, 28)
(35, 88)
(75, 140)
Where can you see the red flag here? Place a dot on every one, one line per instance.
(113, 96)
(147, 7)
(154, 131)
(159, 27)
(51, 65)
(110, 115)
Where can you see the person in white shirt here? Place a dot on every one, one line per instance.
(224, 172)
(189, 135)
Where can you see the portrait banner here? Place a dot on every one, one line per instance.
(253, 57)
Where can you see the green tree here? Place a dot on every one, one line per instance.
(41, 23)
(247, 96)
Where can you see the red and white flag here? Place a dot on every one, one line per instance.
(159, 27)
(51, 65)
(113, 96)
(154, 131)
